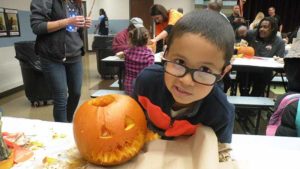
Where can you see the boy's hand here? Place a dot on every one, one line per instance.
(224, 152)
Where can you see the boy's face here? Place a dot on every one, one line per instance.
(194, 52)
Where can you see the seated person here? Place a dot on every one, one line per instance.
(241, 33)
(266, 44)
(120, 41)
(293, 34)
(137, 56)
(283, 121)
(183, 94)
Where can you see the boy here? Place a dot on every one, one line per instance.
(183, 94)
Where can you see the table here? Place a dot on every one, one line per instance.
(255, 63)
(258, 103)
(119, 62)
(249, 151)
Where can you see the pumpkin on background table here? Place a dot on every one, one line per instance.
(109, 130)
(247, 51)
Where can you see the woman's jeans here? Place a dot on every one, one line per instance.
(65, 80)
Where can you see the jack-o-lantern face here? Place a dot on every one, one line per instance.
(109, 130)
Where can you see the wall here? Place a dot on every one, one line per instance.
(117, 12)
(10, 71)
(187, 5)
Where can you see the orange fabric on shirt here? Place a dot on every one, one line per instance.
(161, 120)
(174, 16)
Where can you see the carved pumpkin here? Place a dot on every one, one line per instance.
(247, 51)
(110, 129)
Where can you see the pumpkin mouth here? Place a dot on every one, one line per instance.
(102, 101)
(121, 154)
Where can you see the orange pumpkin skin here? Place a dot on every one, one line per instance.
(247, 51)
(109, 130)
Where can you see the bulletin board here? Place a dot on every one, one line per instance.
(9, 22)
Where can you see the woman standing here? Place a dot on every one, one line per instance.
(59, 25)
(102, 27)
(164, 21)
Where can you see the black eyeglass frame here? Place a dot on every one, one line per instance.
(190, 70)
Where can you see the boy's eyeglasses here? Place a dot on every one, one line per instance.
(198, 76)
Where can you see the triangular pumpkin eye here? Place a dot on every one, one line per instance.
(129, 123)
(105, 133)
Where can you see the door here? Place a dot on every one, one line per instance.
(141, 8)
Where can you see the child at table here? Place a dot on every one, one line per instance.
(137, 57)
(183, 94)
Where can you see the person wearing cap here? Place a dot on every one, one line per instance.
(164, 20)
(120, 41)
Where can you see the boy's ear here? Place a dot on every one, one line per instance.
(226, 70)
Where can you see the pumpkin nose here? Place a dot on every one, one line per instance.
(105, 133)
(102, 101)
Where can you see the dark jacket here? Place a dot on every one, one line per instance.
(291, 68)
(103, 26)
(276, 47)
(152, 94)
(49, 45)
(288, 122)
(288, 126)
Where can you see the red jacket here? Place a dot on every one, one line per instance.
(120, 42)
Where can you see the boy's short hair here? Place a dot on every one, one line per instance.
(210, 25)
